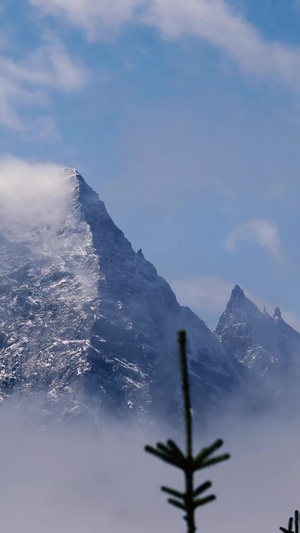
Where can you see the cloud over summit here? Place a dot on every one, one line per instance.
(33, 194)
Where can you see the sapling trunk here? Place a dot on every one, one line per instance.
(189, 482)
(189, 500)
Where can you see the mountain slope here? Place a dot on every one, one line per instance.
(85, 321)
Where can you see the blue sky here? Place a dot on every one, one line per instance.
(184, 117)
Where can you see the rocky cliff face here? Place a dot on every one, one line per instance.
(87, 323)
(265, 344)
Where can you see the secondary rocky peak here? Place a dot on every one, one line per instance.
(237, 293)
(261, 342)
(238, 302)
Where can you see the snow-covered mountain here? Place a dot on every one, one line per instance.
(85, 321)
(265, 344)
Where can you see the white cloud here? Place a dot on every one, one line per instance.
(50, 65)
(212, 20)
(31, 193)
(261, 232)
(209, 295)
(216, 22)
(29, 81)
(94, 16)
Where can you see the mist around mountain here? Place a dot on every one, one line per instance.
(74, 479)
(89, 374)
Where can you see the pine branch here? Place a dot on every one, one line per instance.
(202, 488)
(170, 452)
(173, 492)
(291, 522)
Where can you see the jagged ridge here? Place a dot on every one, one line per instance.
(85, 318)
(263, 343)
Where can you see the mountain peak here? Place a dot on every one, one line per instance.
(73, 174)
(259, 341)
(85, 319)
(237, 293)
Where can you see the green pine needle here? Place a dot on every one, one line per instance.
(173, 492)
(202, 488)
(203, 501)
(206, 452)
(175, 449)
(177, 504)
(212, 461)
(162, 456)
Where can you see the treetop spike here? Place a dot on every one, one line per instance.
(182, 335)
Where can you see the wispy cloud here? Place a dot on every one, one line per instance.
(213, 20)
(261, 232)
(50, 65)
(93, 16)
(29, 82)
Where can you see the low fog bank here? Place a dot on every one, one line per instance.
(78, 480)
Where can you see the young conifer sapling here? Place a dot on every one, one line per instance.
(192, 497)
